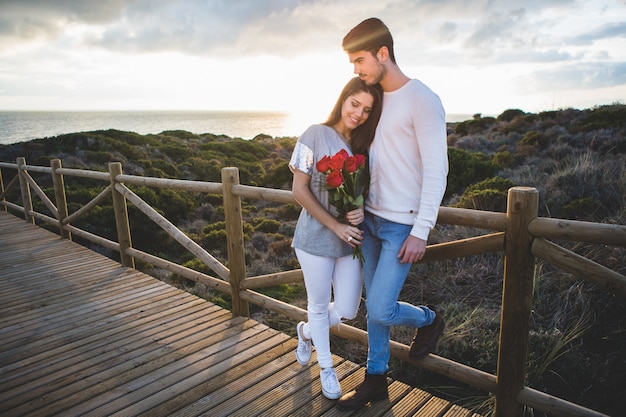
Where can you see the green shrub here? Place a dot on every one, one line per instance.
(467, 168)
(583, 209)
(509, 115)
(278, 176)
(490, 194)
(473, 126)
(267, 226)
(99, 156)
(214, 226)
(182, 134)
(603, 117)
(288, 212)
(178, 153)
(214, 240)
(503, 159)
(536, 139)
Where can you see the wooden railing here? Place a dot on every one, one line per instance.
(519, 233)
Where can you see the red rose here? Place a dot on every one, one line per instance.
(322, 165)
(337, 160)
(350, 165)
(334, 179)
(360, 160)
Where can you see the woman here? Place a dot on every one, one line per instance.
(323, 244)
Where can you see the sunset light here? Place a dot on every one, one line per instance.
(286, 56)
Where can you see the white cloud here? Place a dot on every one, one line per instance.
(269, 54)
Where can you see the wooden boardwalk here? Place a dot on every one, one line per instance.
(82, 335)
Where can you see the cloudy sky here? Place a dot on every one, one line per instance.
(480, 56)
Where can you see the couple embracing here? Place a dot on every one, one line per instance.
(398, 125)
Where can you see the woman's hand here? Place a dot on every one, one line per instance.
(356, 216)
(349, 233)
(352, 235)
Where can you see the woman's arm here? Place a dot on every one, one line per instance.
(304, 196)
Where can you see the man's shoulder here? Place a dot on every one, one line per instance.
(417, 85)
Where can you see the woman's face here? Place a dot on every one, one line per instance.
(356, 109)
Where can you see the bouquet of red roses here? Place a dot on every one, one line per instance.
(346, 178)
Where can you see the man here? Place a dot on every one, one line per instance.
(408, 165)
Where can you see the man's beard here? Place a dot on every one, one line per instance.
(378, 76)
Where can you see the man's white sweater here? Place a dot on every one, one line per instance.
(408, 159)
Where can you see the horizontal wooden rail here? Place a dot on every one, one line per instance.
(580, 266)
(462, 248)
(185, 185)
(98, 240)
(602, 233)
(13, 206)
(554, 406)
(42, 217)
(83, 173)
(184, 272)
(536, 232)
(271, 280)
(479, 219)
(259, 193)
(36, 168)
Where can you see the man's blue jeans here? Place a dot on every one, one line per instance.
(384, 277)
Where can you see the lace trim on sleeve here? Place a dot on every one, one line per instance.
(302, 159)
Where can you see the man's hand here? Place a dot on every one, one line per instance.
(412, 250)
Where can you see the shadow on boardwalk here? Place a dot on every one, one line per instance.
(83, 335)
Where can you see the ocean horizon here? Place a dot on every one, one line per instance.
(22, 126)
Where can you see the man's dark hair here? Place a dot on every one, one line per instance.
(369, 35)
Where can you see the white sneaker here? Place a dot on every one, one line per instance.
(303, 351)
(330, 384)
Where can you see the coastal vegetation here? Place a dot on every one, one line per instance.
(575, 159)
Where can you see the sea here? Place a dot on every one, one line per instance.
(22, 126)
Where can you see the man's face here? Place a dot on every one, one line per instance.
(367, 66)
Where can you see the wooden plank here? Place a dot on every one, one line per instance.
(409, 404)
(181, 382)
(80, 330)
(434, 407)
(83, 335)
(201, 363)
(88, 314)
(238, 393)
(307, 399)
(86, 390)
(200, 392)
(104, 338)
(80, 302)
(54, 365)
(232, 383)
(456, 411)
(126, 353)
(306, 381)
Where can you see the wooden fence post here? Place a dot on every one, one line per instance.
(59, 197)
(27, 201)
(121, 217)
(234, 240)
(517, 296)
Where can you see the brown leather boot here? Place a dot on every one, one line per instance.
(373, 388)
(426, 337)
